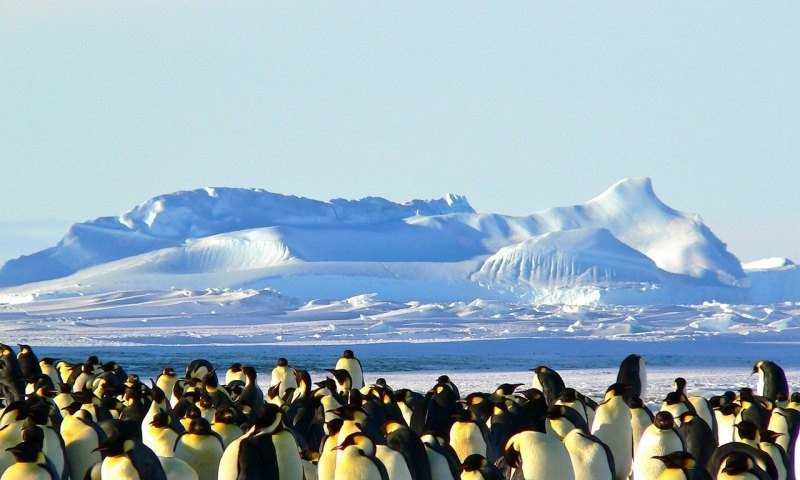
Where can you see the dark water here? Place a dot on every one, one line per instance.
(505, 355)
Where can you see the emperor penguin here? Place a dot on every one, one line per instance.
(468, 436)
(549, 382)
(166, 382)
(349, 362)
(441, 457)
(394, 462)
(785, 421)
(225, 425)
(13, 422)
(700, 440)
(569, 397)
(201, 448)
(752, 409)
(476, 467)
(234, 374)
(405, 441)
(40, 426)
(267, 450)
(82, 436)
(632, 372)
(284, 376)
(126, 459)
(779, 456)
(159, 435)
(29, 363)
(561, 420)
(612, 425)
(661, 438)
(539, 455)
(591, 459)
(30, 464)
(47, 365)
(251, 398)
(358, 460)
(682, 466)
(342, 379)
(739, 466)
(641, 418)
(771, 380)
(198, 369)
(726, 415)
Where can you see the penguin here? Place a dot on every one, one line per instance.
(661, 438)
(82, 436)
(159, 435)
(342, 380)
(394, 462)
(40, 426)
(166, 382)
(785, 421)
(549, 382)
(700, 440)
(47, 366)
(476, 467)
(284, 376)
(468, 436)
(502, 424)
(198, 369)
(28, 362)
(676, 404)
(726, 415)
(561, 420)
(569, 398)
(591, 459)
(441, 457)
(349, 362)
(251, 398)
(219, 396)
(267, 450)
(440, 404)
(326, 464)
(358, 461)
(681, 466)
(30, 464)
(13, 422)
(539, 456)
(127, 459)
(749, 447)
(739, 466)
(771, 380)
(779, 456)
(234, 374)
(405, 441)
(641, 418)
(201, 448)
(612, 425)
(225, 425)
(632, 372)
(752, 409)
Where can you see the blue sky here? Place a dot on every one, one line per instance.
(518, 105)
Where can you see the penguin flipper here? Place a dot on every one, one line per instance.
(146, 462)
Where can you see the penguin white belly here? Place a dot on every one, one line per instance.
(10, 435)
(353, 466)
(612, 425)
(543, 456)
(229, 463)
(26, 471)
(290, 466)
(353, 366)
(779, 423)
(52, 449)
(80, 440)
(640, 420)
(743, 476)
(309, 470)
(326, 466)
(673, 474)
(473, 475)
(405, 411)
(203, 453)
(700, 405)
(394, 462)
(466, 438)
(653, 443)
(589, 459)
(229, 433)
(775, 453)
(725, 427)
(177, 469)
(160, 440)
(440, 469)
(119, 468)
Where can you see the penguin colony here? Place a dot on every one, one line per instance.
(92, 420)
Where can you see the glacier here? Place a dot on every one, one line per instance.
(624, 246)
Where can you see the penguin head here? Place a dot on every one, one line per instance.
(664, 420)
(34, 435)
(359, 440)
(210, 379)
(687, 416)
(205, 403)
(674, 398)
(757, 367)
(391, 426)
(746, 395)
(616, 390)
(680, 459)
(282, 362)
(16, 411)
(25, 452)
(738, 463)
(747, 430)
(795, 397)
(92, 360)
(235, 368)
(333, 426)
(268, 417)
(24, 349)
(769, 436)
(115, 445)
(473, 462)
(679, 384)
(38, 415)
(353, 413)
(225, 415)
(507, 388)
(193, 412)
(635, 403)
(158, 395)
(532, 395)
(462, 416)
(249, 372)
(348, 354)
(555, 412)
(160, 420)
(568, 395)
(169, 372)
(199, 426)
(341, 376)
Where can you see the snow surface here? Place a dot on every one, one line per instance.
(768, 263)
(623, 247)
